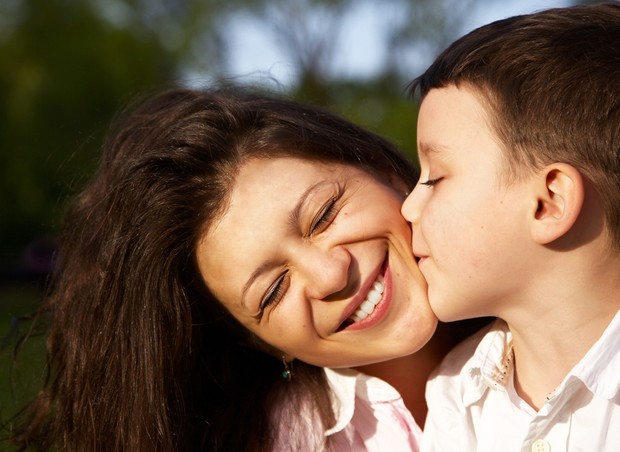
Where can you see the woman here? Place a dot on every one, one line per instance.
(227, 249)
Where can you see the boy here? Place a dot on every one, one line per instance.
(517, 215)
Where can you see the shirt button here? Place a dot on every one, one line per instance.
(540, 445)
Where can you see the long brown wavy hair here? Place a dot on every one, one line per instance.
(140, 354)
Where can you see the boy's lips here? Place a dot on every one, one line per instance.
(419, 257)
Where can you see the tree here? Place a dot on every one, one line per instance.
(67, 66)
(64, 72)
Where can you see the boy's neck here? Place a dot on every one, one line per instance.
(539, 369)
(560, 327)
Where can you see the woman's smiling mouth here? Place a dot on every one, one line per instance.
(366, 313)
(368, 305)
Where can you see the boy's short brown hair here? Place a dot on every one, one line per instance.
(551, 84)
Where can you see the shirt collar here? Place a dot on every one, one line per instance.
(345, 385)
(493, 363)
(599, 369)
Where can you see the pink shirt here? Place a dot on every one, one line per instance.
(370, 416)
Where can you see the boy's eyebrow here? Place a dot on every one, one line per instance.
(430, 148)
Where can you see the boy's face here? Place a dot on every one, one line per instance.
(470, 229)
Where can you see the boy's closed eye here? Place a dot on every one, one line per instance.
(431, 182)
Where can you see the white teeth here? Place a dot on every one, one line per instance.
(373, 297)
(367, 306)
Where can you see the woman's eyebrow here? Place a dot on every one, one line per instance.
(294, 220)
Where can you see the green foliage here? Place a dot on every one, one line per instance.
(19, 379)
(382, 106)
(64, 71)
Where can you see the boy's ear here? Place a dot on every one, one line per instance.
(560, 194)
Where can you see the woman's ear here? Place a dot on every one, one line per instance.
(560, 196)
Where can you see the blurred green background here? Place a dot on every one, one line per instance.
(66, 66)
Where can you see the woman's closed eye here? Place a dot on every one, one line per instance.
(274, 294)
(325, 215)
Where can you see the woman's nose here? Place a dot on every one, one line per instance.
(327, 272)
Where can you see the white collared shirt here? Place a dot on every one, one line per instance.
(473, 405)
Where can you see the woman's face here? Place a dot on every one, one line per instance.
(315, 259)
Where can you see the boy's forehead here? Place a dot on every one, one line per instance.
(448, 115)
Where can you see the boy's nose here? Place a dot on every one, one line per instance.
(410, 209)
(327, 272)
